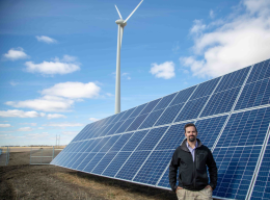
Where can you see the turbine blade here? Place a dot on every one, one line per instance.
(121, 35)
(118, 12)
(133, 11)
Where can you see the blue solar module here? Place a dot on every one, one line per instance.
(151, 139)
(137, 111)
(165, 101)
(99, 168)
(117, 162)
(261, 190)
(254, 94)
(169, 114)
(192, 109)
(110, 143)
(260, 71)
(238, 78)
(154, 167)
(151, 119)
(92, 163)
(205, 89)
(132, 165)
(134, 140)
(125, 125)
(221, 102)
(235, 169)
(150, 106)
(208, 129)
(246, 128)
(173, 137)
(137, 122)
(232, 116)
(120, 143)
(85, 161)
(182, 96)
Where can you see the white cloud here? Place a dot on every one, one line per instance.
(92, 119)
(164, 70)
(46, 39)
(54, 116)
(5, 125)
(25, 129)
(15, 54)
(197, 27)
(46, 103)
(64, 124)
(37, 135)
(31, 124)
(13, 83)
(211, 14)
(21, 114)
(64, 66)
(234, 43)
(70, 133)
(73, 90)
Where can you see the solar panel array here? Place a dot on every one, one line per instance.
(232, 115)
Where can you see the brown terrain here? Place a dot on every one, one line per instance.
(19, 180)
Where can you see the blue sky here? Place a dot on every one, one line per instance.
(58, 58)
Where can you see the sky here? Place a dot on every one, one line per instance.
(58, 58)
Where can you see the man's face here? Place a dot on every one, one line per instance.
(191, 133)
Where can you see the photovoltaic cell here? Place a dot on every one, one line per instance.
(235, 169)
(260, 71)
(154, 167)
(208, 129)
(134, 140)
(125, 125)
(85, 161)
(183, 96)
(151, 139)
(221, 102)
(165, 101)
(120, 143)
(115, 165)
(137, 111)
(169, 114)
(261, 190)
(137, 144)
(254, 94)
(246, 128)
(205, 89)
(92, 163)
(132, 165)
(191, 109)
(151, 119)
(238, 78)
(150, 106)
(173, 138)
(137, 122)
(103, 163)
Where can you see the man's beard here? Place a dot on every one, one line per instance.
(192, 138)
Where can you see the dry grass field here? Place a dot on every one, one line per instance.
(19, 180)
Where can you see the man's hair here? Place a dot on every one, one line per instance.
(190, 124)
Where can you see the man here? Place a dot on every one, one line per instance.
(191, 157)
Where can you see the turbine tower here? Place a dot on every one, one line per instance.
(121, 24)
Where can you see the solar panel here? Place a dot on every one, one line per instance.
(232, 115)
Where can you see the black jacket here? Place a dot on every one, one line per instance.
(192, 175)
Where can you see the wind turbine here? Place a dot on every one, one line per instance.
(121, 24)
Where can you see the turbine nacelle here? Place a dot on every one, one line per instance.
(121, 22)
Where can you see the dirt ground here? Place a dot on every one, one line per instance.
(19, 180)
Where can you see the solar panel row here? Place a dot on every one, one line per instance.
(231, 112)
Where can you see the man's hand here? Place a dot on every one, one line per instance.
(180, 188)
(209, 186)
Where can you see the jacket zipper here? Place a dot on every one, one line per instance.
(194, 170)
